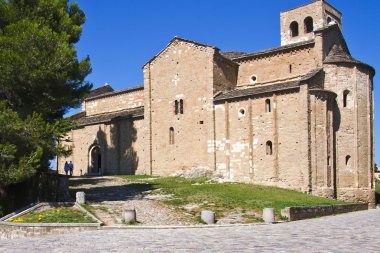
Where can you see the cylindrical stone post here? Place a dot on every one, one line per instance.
(81, 198)
(208, 217)
(268, 215)
(129, 215)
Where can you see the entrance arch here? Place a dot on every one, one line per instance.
(95, 160)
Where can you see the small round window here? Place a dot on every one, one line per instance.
(253, 79)
(241, 112)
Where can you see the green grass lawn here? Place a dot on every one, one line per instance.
(225, 197)
(377, 191)
(58, 215)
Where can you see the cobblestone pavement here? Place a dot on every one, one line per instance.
(353, 232)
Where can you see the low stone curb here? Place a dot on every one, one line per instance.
(187, 227)
(12, 230)
(306, 212)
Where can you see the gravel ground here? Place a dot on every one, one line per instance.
(110, 195)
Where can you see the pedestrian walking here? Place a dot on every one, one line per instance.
(66, 168)
(71, 168)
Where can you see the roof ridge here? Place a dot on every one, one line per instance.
(115, 92)
(182, 39)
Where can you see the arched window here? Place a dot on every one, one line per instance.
(294, 29)
(171, 135)
(348, 158)
(268, 106)
(345, 97)
(181, 106)
(269, 148)
(176, 107)
(308, 24)
(329, 20)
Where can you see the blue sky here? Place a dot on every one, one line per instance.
(120, 36)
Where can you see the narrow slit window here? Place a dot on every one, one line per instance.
(348, 159)
(171, 135)
(268, 106)
(269, 148)
(176, 107)
(290, 68)
(345, 98)
(181, 106)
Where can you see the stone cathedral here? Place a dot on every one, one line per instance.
(298, 116)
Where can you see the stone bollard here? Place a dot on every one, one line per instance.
(268, 215)
(208, 217)
(81, 198)
(129, 215)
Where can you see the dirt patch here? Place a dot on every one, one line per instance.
(109, 196)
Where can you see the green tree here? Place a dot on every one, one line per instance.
(23, 143)
(40, 79)
(39, 68)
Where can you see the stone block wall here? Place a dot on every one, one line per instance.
(307, 212)
(225, 74)
(9, 230)
(130, 98)
(122, 145)
(243, 130)
(353, 128)
(182, 72)
(278, 66)
(320, 11)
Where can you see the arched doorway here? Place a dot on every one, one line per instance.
(95, 160)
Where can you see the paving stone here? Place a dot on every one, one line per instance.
(352, 232)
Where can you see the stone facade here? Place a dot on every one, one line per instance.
(299, 116)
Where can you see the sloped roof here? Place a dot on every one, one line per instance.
(241, 93)
(99, 91)
(338, 55)
(232, 54)
(110, 116)
(267, 88)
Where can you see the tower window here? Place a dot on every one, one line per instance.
(345, 97)
(176, 107)
(269, 148)
(294, 29)
(308, 24)
(290, 68)
(268, 106)
(181, 106)
(348, 158)
(171, 135)
(329, 20)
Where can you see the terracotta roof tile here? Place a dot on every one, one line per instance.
(117, 92)
(232, 54)
(110, 116)
(241, 93)
(99, 91)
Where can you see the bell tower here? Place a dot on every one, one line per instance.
(299, 24)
